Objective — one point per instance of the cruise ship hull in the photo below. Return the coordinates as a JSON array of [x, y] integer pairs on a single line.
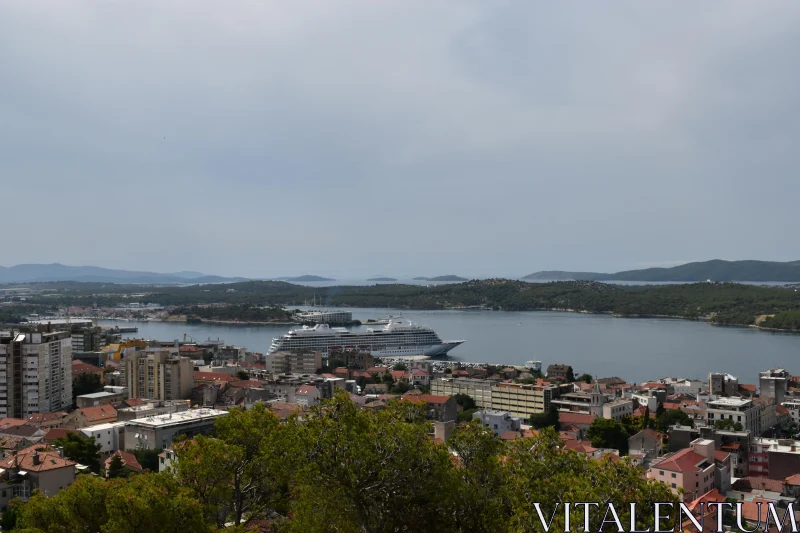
[[398, 339]]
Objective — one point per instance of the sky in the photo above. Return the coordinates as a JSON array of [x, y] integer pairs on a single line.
[[400, 138]]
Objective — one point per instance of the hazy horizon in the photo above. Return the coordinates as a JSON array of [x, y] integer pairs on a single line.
[[354, 139]]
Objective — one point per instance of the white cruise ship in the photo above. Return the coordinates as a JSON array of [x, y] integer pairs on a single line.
[[397, 339]]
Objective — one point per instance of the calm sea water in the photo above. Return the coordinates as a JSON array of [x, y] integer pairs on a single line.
[[634, 349]]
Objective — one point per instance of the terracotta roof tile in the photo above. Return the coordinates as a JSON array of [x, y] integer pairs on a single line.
[[37, 458], [686, 460], [758, 483], [213, 376], [100, 412], [128, 460]]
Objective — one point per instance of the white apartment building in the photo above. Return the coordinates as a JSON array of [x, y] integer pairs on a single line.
[[738, 410], [35, 372], [110, 437]]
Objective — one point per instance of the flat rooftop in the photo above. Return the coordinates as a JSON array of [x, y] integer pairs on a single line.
[[171, 419], [730, 402], [99, 395]]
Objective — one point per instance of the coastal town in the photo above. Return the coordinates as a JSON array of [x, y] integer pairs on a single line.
[[712, 439]]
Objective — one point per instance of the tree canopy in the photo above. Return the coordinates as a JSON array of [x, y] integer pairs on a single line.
[[82, 450], [608, 433], [345, 469]]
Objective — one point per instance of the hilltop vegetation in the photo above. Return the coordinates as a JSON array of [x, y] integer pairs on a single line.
[[721, 303], [714, 270]]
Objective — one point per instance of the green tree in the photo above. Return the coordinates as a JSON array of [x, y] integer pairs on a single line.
[[80, 449], [660, 410], [116, 469], [478, 487], [10, 516], [728, 424], [400, 366], [608, 433], [241, 474], [243, 375], [672, 417], [545, 420], [586, 378], [464, 401], [79, 508], [85, 384], [147, 458], [360, 470], [538, 470], [646, 422], [152, 502]]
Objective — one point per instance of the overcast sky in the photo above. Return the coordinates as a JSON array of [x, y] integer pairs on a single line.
[[350, 138]]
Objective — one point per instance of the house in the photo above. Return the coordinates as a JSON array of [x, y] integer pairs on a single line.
[[579, 420], [47, 420], [687, 469], [37, 467], [420, 378], [308, 396], [91, 416], [166, 459], [54, 434], [563, 372], [376, 388], [498, 421], [439, 408], [648, 442], [128, 461]]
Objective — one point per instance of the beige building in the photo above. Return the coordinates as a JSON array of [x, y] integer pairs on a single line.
[[35, 372], [517, 398], [157, 374], [691, 469], [306, 362]]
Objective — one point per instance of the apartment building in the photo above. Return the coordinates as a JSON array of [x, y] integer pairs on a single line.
[[305, 362], [774, 383], [35, 371], [774, 458], [157, 374], [722, 384], [738, 410], [691, 469], [158, 432], [517, 398]]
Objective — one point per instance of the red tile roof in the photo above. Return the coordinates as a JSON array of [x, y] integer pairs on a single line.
[[11, 422], [566, 417], [47, 417], [128, 460], [79, 368], [758, 483], [686, 460], [37, 458], [305, 390], [721, 456], [793, 480], [747, 387], [190, 349], [98, 413], [217, 377], [781, 410], [579, 446], [510, 435], [58, 433], [427, 398], [709, 497], [399, 374]]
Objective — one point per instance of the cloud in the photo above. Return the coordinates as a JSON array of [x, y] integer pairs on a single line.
[[353, 137]]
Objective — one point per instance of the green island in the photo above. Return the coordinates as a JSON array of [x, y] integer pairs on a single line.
[[732, 304]]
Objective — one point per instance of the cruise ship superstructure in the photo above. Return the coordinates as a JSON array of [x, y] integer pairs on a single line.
[[399, 338]]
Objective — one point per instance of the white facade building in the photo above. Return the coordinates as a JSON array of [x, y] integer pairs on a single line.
[[110, 437], [35, 372]]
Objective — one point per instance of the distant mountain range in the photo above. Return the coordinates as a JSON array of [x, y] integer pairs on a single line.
[[450, 277], [31, 273], [382, 278], [306, 277], [714, 270]]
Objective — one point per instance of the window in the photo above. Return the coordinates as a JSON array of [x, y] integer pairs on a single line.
[[673, 485], [673, 475]]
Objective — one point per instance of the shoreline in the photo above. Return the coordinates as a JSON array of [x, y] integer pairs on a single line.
[[550, 309]]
